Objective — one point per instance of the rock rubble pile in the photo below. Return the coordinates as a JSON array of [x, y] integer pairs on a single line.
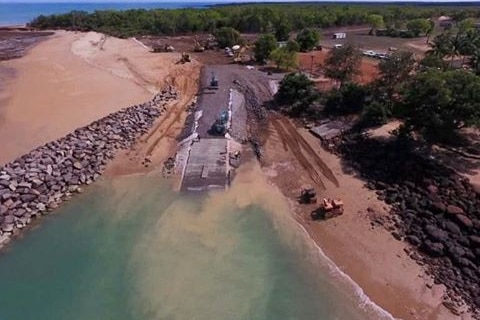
[[39, 181], [433, 209]]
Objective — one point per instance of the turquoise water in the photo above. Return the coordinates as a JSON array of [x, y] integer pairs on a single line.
[[130, 248], [22, 12]]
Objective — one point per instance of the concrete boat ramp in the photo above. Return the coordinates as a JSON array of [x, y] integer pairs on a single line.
[[206, 167], [208, 160], [207, 164]]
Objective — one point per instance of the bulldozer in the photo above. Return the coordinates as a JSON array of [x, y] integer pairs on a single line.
[[198, 47], [329, 208], [165, 48], [184, 59], [308, 196]]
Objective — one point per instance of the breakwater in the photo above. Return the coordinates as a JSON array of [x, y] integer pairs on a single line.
[[433, 208], [37, 182]]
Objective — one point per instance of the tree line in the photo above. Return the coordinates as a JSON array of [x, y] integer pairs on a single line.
[[251, 18], [433, 97]]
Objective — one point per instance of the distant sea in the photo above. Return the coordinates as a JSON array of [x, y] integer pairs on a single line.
[[22, 13]]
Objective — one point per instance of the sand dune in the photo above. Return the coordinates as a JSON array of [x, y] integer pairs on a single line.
[[71, 80]]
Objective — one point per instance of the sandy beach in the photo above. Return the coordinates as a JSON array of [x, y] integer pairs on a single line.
[[366, 252], [72, 79]]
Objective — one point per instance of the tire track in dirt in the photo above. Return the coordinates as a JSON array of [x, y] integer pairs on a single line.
[[178, 110], [326, 171], [186, 90], [294, 146]]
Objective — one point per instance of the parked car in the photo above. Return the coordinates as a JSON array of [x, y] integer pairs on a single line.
[[369, 53], [382, 56], [337, 46]]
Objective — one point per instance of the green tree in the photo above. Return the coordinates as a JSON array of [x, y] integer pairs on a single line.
[[376, 113], [448, 44], [431, 61], [227, 37], [346, 100], [284, 58], [343, 63], [441, 45], [430, 30], [376, 22], [437, 104], [393, 73], [459, 15], [282, 31], [418, 26], [474, 61], [466, 24], [264, 46], [308, 39], [469, 41], [297, 94], [293, 46]]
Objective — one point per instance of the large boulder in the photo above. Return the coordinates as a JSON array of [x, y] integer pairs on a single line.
[[452, 227], [454, 210], [464, 220], [475, 241], [434, 249], [435, 233], [438, 207]]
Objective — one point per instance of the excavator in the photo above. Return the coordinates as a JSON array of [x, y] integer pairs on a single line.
[[238, 53], [198, 47], [219, 127], [184, 59], [214, 82]]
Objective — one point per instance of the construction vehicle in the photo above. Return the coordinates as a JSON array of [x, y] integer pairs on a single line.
[[184, 59], [237, 53], [165, 48], [198, 47], [219, 127], [214, 82], [329, 208], [308, 196]]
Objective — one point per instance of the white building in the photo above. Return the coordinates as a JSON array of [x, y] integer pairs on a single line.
[[339, 35]]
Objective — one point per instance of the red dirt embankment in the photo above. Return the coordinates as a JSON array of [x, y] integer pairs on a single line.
[[368, 68]]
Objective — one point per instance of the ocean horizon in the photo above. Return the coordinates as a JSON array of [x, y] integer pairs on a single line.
[[24, 12]]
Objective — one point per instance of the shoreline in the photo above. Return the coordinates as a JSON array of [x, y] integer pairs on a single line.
[[364, 300], [367, 253], [38, 176], [39, 181]]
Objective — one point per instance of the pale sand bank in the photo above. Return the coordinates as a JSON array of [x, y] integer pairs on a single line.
[[71, 80]]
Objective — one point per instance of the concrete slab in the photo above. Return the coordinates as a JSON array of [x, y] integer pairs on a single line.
[[206, 168]]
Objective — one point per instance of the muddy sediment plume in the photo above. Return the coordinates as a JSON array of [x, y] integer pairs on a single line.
[[39, 181], [433, 208], [130, 248]]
